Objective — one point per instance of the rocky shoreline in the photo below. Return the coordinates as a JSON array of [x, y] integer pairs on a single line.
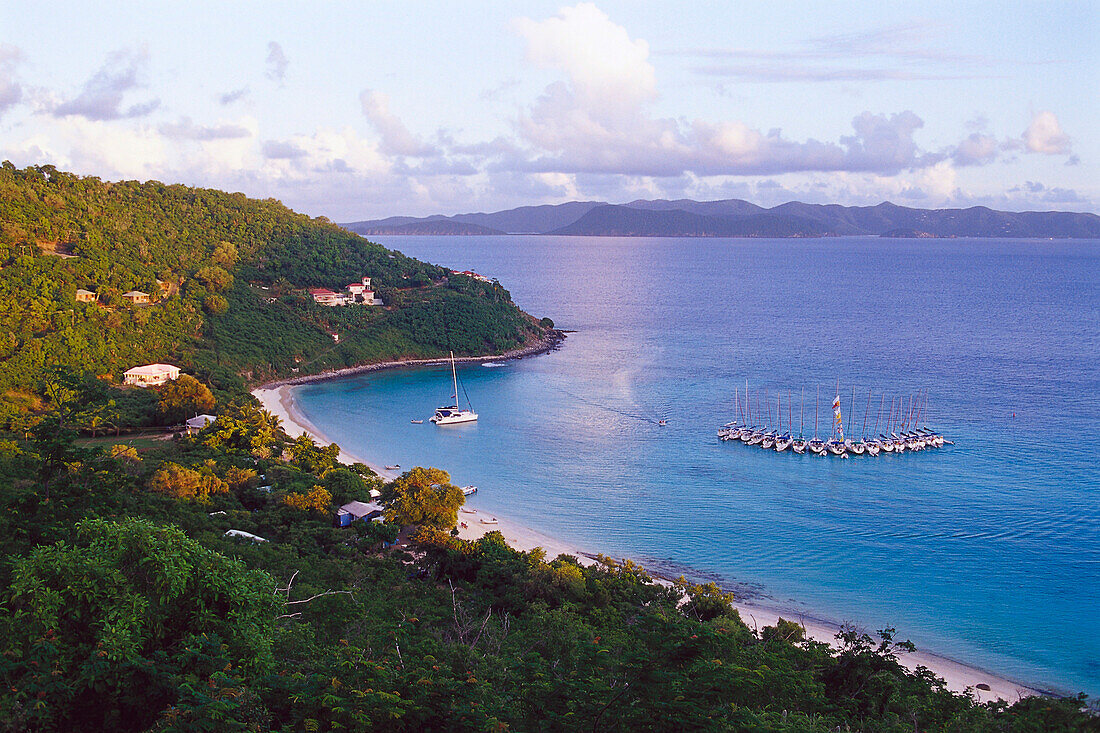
[[553, 339]]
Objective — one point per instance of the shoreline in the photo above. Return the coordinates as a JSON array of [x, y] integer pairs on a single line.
[[551, 341], [278, 399]]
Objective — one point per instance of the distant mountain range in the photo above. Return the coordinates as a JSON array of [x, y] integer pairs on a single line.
[[737, 218]]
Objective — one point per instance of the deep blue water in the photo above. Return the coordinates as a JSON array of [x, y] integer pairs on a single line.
[[988, 551]]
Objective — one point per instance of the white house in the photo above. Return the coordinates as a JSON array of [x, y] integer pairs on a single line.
[[151, 375], [137, 297], [198, 422], [361, 288], [324, 296]]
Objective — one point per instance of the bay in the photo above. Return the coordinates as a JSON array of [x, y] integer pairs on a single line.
[[987, 551]]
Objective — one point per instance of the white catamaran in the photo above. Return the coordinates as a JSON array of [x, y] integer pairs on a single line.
[[452, 414]]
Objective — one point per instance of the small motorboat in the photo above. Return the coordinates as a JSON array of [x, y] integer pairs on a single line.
[[417, 422], [394, 467], [467, 490], [662, 422], [490, 520]]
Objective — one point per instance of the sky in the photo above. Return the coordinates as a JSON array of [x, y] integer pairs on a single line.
[[360, 110]]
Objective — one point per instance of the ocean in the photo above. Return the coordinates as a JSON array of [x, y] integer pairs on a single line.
[[987, 551]]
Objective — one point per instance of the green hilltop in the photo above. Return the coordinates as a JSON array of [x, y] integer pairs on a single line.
[[227, 276]]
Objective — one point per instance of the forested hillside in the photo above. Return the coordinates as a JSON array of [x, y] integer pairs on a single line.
[[227, 277], [130, 601]]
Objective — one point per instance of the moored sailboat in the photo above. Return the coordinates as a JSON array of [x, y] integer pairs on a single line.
[[453, 414]]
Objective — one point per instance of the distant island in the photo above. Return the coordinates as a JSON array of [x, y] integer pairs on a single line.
[[738, 218]]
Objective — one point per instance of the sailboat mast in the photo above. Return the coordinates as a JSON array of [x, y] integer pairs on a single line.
[[815, 413], [454, 377], [851, 411], [881, 404], [802, 414], [866, 411], [790, 407]]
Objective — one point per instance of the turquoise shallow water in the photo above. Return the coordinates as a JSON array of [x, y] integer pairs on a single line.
[[988, 552]]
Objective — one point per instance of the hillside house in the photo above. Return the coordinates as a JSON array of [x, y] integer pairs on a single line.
[[361, 288], [198, 422], [356, 511], [85, 296], [136, 297], [151, 375], [355, 292], [472, 274], [324, 296]]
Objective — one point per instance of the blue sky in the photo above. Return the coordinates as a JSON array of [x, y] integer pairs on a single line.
[[358, 110]]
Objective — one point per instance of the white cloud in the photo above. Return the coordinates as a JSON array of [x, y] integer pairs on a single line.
[[101, 96], [185, 129], [1044, 135], [395, 137], [976, 149], [609, 72]]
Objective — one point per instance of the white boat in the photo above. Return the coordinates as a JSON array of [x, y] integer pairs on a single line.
[[467, 490], [490, 520], [453, 414], [798, 445], [872, 447], [816, 446], [417, 422], [856, 448], [836, 447], [782, 443], [394, 467]]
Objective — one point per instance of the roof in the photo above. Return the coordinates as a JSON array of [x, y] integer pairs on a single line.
[[321, 291], [200, 421], [82, 291], [243, 535], [152, 370], [360, 509], [134, 293]]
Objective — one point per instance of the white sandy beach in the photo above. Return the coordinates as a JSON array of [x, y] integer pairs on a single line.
[[279, 401]]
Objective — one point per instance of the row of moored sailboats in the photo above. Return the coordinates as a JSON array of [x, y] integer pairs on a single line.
[[905, 426]]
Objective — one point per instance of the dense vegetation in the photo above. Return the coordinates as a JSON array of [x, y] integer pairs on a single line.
[[199, 583], [227, 275], [124, 605]]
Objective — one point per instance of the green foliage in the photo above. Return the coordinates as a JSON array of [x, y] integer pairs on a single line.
[[222, 257], [119, 615], [184, 397], [423, 496]]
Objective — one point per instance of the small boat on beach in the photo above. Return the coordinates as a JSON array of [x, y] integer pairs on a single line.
[[490, 520]]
